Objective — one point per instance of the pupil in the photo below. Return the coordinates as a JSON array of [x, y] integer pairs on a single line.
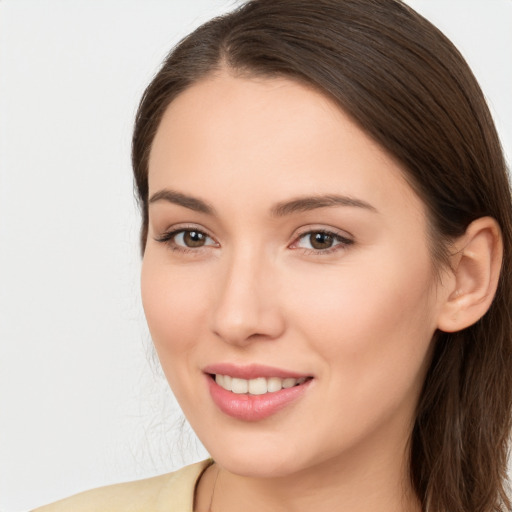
[[321, 241], [193, 239]]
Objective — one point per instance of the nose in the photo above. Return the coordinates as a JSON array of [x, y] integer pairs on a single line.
[[246, 301]]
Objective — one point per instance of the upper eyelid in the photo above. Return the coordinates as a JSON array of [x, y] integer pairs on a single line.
[[332, 234], [168, 234], [344, 238], [322, 229], [177, 228]]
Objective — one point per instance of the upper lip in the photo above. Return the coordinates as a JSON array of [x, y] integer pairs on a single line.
[[251, 371]]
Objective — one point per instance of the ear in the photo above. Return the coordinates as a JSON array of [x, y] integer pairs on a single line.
[[475, 271]]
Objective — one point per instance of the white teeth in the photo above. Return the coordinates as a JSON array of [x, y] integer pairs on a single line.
[[274, 384], [239, 386], [258, 386], [289, 383]]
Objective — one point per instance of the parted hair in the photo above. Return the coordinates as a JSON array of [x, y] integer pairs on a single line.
[[406, 85]]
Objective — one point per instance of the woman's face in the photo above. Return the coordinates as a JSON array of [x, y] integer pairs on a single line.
[[285, 248]]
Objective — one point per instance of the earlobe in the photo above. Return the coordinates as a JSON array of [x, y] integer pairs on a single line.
[[476, 265]]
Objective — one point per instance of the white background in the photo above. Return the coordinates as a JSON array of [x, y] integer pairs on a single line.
[[82, 402]]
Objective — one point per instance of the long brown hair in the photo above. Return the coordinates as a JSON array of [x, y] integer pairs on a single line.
[[408, 87]]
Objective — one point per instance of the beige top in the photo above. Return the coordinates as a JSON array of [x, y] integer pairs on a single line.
[[173, 492]]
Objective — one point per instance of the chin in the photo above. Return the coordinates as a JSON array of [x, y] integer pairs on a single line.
[[258, 457], [261, 467]]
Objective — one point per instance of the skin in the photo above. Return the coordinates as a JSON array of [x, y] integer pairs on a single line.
[[357, 317]]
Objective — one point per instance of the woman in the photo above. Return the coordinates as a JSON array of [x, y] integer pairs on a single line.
[[326, 268]]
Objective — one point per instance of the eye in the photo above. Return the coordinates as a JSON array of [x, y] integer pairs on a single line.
[[192, 239], [184, 239], [321, 241]]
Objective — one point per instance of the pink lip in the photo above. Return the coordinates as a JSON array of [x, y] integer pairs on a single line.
[[252, 407], [252, 371]]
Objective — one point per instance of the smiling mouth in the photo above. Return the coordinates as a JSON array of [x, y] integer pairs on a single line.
[[257, 386]]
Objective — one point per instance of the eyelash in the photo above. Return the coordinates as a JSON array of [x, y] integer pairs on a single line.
[[168, 238], [343, 242]]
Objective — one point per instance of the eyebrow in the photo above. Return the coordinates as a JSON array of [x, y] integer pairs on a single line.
[[190, 202], [304, 204], [281, 209]]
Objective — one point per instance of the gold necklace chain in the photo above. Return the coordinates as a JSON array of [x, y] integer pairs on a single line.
[[213, 490]]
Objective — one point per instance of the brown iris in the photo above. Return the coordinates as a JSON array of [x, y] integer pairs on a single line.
[[321, 240], [194, 238]]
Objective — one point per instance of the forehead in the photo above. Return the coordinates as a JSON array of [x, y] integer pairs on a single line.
[[241, 134]]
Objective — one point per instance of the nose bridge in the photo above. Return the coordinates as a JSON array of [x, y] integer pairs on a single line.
[[246, 305]]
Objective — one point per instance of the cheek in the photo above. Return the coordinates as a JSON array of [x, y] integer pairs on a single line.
[[365, 304], [174, 305], [372, 325]]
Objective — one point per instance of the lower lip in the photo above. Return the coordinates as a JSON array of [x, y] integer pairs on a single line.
[[254, 407]]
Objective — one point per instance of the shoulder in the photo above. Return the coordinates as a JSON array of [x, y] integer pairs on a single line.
[[172, 492]]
